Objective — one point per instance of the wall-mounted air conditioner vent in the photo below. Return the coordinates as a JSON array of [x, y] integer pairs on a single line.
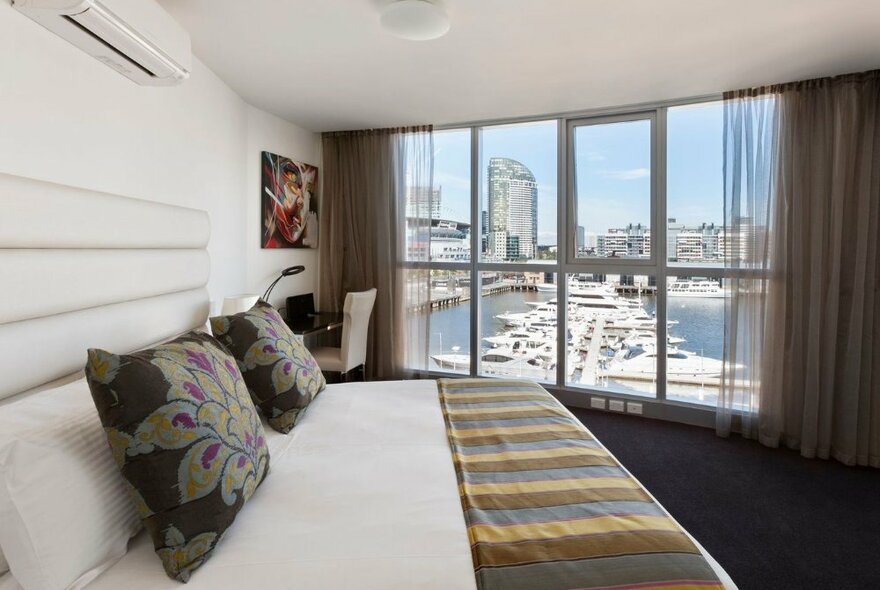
[[137, 38]]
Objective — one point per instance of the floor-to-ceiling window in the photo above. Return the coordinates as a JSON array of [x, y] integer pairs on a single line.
[[582, 252], [696, 247]]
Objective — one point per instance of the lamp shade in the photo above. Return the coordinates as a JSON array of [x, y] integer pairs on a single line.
[[238, 303]]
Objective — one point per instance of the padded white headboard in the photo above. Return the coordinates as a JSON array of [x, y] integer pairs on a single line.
[[81, 269]]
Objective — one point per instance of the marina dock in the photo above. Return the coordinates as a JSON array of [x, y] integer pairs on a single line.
[[443, 300], [611, 334], [592, 360]]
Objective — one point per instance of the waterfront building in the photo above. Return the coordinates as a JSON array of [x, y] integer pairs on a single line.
[[693, 243], [450, 241], [632, 241], [688, 246], [484, 231], [513, 211], [423, 201], [703, 242], [673, 228], [733, 246]]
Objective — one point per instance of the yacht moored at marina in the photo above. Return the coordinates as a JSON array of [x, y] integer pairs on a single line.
[[502, 362], [639, 362], [696, 288]]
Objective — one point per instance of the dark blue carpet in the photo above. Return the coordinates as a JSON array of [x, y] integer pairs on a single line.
[[771, 518]]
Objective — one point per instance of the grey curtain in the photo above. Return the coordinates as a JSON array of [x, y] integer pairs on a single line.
[[364, 237], [810, 290]]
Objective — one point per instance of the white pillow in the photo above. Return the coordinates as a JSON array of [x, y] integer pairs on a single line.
[[64, 508], [4, 567]]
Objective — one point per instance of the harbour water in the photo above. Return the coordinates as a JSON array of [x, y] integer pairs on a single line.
[[699, 321]]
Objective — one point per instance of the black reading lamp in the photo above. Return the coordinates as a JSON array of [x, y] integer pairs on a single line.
[[287, 272]]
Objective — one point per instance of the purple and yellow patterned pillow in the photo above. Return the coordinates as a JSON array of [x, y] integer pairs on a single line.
[[187, 439], [279, 370]]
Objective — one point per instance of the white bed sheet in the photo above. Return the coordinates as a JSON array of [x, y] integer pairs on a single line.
[[362, 493]]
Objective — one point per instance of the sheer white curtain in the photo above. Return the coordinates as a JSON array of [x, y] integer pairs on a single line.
[[415, 194], [802, 192], [750, 144]]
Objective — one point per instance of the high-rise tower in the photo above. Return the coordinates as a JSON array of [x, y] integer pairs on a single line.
[[513, 210]]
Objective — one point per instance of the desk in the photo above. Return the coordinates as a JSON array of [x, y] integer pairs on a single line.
[[316, 323]]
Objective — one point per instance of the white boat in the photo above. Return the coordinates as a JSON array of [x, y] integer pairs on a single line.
[[521, 340], [640, 363], [543, 316], [503, 363], [454, 361], [599, 299], [527, 345], [696, 288], [648, 338], [575, 284]]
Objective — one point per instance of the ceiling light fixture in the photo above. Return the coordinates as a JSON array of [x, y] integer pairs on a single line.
[[415, 20]]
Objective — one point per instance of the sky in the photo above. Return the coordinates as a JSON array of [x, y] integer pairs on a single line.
[[612, 169]]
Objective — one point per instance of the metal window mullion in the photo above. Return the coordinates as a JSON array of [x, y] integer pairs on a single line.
[[517, 267], [436, 266], [563, 243], [660, 223], [476, 251]]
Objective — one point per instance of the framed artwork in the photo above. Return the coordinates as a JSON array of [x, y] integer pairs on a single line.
[[290, 203]]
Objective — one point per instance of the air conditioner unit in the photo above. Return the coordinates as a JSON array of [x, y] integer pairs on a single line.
[[137, 38]]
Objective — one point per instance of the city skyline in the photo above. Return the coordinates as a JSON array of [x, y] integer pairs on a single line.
[[450, 240], [694, 171]]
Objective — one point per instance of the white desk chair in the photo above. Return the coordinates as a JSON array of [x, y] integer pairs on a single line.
[[355, 325]]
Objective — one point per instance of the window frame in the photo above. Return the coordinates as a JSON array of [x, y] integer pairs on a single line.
[[657, 266], [571, 183]]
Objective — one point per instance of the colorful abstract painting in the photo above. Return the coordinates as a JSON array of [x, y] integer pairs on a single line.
[[290, 204]]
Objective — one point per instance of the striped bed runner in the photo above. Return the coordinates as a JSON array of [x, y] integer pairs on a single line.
[[547, 507]]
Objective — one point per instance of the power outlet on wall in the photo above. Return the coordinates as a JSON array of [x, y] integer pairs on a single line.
[[634, 407], [616, 405], [597, 402]]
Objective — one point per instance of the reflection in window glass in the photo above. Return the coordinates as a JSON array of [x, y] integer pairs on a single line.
[[518, 192], [695, 199], [612, 176], [612, 339], [448, 202], [695, 308], [518, 325]]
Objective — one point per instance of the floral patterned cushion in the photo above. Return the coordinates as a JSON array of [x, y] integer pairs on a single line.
[[187, 439], [279, 370]]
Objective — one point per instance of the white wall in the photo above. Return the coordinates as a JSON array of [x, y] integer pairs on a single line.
[[269, 133], [67, 118]]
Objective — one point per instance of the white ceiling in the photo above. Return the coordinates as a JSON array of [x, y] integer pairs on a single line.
[[327, 65]]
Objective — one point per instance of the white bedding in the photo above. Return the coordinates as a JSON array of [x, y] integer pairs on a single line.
[[361, 494]]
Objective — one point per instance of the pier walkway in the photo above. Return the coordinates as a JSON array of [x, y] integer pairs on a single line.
[[588, 373]]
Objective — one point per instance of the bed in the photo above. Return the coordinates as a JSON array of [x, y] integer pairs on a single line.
[[366, 491]]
